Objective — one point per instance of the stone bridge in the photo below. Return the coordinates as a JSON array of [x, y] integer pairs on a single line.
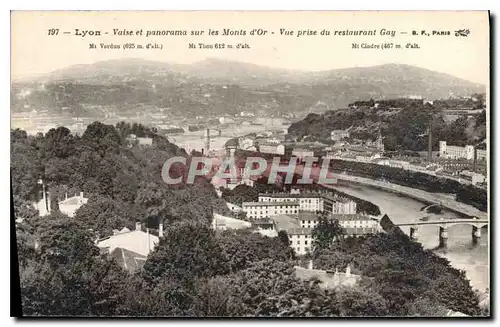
[[476, 224]]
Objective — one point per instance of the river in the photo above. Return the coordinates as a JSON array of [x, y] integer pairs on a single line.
[[460, 251]]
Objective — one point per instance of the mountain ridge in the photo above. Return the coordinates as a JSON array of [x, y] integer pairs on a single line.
[[233, 87], [202, 66]]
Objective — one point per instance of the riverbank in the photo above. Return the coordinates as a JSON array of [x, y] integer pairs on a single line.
[[420, 195], [461, 253]]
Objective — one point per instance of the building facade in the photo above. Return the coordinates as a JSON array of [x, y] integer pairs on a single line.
[[338, 205], [260, 210], [358, 224], [455, 152], [300, 239], [307, 201]]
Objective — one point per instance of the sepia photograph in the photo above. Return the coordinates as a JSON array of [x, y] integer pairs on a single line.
[[244, 164]]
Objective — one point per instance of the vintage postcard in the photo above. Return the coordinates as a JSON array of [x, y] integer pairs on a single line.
[[250, 164]]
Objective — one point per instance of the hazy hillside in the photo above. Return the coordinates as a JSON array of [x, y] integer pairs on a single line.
[[233, 87]]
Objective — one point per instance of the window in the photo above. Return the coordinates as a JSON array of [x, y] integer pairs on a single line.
[[305, 242]]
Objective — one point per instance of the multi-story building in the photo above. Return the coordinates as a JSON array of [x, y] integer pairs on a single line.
[[357, 224], [260, 210], [338, 205], [338, 134], [313, 202], [307, 201], [456, 152], [299, 227], [354, 224], [300, 239]]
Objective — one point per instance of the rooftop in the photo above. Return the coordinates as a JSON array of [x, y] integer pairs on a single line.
[[285, 222], [269, 204], [289, 195], [136, 241]]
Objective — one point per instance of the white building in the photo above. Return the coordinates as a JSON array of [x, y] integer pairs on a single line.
[[147, 141], [242, 181], [471, 177], [338, 205], [355, 224], [338, 134], [455, 152], [260, 210], [69, 205], [233, 207], [358, 224], [137, 241], [272, 148], [301, 240], [307, 201]]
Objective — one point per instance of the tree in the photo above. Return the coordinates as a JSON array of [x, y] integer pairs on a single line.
[[269, 288], [187, 251], [67, 276], [327, 231], [283, 237], [103, 214], [242, 248], [360, 302]]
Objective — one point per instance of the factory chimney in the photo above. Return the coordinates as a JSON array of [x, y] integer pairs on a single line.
[[430, 140]]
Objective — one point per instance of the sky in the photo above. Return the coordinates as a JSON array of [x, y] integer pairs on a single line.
[[34, 52]]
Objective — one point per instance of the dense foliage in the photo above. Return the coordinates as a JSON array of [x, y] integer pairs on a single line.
[[194, 270], [402, 273], [404, 124]]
